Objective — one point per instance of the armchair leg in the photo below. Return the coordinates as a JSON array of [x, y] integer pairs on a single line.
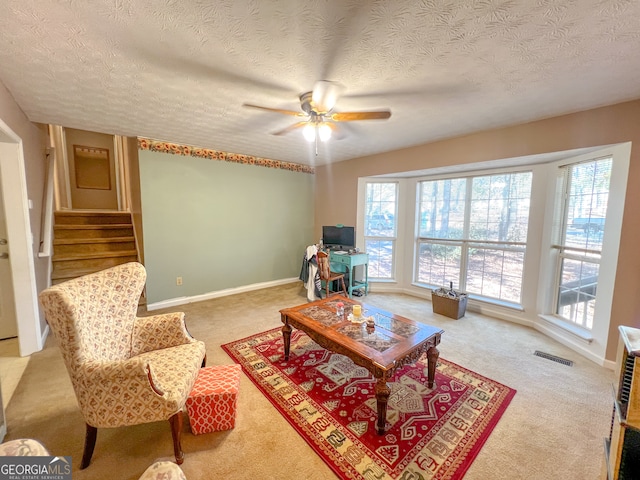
[[89, 445], [176, 430]]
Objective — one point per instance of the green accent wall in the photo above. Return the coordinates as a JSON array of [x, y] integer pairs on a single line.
[[221, 225]]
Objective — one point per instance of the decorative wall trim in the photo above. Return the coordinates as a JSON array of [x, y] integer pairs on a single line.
[[186, 150]]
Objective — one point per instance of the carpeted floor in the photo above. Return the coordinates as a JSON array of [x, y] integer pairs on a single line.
[[553, 428]]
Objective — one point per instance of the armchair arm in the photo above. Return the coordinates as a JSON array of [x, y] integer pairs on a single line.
[[118, 393], [159, 331]]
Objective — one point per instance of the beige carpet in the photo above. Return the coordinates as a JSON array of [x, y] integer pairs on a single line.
[[554, 427]]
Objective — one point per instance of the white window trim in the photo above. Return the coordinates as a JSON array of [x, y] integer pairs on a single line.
[[393, 240], [405, 210], [591, 344]]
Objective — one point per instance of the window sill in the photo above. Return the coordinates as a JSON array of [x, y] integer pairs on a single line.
[[581, 333], [497, 303]]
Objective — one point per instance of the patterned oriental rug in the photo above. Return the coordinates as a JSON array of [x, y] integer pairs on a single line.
[[330, 401]]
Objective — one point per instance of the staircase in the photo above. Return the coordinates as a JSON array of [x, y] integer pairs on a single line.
[[86, 242]]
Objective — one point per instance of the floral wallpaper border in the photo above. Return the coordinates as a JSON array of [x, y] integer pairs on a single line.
[[186, 150]]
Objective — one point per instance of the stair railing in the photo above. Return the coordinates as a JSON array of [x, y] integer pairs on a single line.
[[46, 227]]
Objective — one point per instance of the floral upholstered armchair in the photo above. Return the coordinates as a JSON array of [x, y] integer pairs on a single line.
[[125, 370]]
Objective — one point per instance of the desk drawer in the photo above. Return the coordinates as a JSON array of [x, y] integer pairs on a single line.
[[340, 259]]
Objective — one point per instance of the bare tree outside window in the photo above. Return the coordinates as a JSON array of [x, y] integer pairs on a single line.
[[472, 232]]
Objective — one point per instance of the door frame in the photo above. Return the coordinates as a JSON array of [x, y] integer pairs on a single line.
[[20, 237]]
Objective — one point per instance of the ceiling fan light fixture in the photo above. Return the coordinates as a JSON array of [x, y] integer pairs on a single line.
[[309, 132], [324, 132]]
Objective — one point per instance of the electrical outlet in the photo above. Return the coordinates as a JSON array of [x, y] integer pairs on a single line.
[[178, 280]]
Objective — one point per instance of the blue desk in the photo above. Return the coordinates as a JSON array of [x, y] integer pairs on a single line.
[[346, 263]]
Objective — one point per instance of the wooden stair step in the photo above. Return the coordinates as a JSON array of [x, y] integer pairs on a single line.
[[86, 246], [92, 231], [79, 272], [75, 273], [101, 226], [94, 255], [76, 241], [74, 268], [91, 218]]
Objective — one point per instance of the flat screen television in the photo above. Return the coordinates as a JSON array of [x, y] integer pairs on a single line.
[[338, 237]]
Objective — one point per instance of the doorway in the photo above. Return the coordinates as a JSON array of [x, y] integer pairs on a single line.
[[19, 278], [8, 322]]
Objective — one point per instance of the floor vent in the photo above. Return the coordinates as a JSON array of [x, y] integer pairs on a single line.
[[553, 358]]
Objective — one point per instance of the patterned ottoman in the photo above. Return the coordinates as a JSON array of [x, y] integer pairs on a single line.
[[212, 402]]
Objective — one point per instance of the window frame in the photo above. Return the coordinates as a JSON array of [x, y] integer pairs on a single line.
[[591, 342], [466, 243], [560, 250], [377, 238]]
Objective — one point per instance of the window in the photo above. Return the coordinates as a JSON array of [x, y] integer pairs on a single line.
[[582, 210], [472, 232], [380, 228], [441, 229]]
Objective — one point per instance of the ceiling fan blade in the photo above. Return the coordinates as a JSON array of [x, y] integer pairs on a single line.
[[352, 116], [290, 128], [325, 95], [277, 110]]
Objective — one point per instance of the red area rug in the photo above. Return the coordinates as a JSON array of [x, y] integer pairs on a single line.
[[431, 433]]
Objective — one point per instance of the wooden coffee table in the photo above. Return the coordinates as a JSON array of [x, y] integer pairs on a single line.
[[393, 342]]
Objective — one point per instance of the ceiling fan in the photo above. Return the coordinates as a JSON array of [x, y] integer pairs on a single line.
[[319, 119]]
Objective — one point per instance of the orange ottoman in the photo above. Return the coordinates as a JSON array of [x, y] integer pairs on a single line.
[[212, 402]]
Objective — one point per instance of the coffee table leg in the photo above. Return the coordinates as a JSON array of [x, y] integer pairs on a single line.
[[382, 397], [286, 336], [432, 359]]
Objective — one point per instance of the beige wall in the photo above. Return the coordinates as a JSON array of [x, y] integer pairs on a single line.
[[336, 185], [34, 142]]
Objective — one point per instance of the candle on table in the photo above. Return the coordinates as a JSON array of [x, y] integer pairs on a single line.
[[357, 310]]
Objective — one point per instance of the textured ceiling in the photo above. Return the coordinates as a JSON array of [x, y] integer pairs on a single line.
[[180, 70]]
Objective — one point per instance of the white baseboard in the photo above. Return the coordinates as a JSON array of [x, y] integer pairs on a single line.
[[173, 302], [43, 337]]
